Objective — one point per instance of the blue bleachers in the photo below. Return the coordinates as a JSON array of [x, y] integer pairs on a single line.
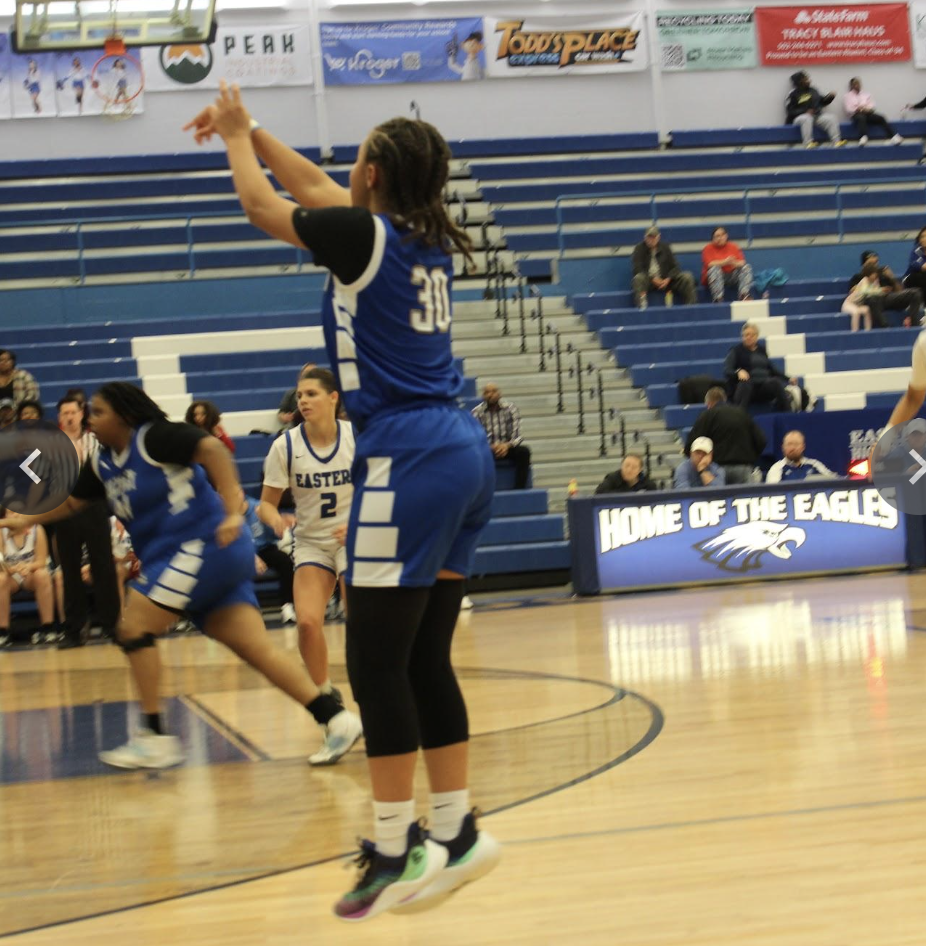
[[775, 134]]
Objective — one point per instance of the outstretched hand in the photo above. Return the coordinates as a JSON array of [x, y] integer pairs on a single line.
[[226, 117]]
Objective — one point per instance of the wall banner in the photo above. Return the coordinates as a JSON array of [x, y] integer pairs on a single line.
[[403, 51], [554, 46], [254, 57], [698, 40], [820, 35]]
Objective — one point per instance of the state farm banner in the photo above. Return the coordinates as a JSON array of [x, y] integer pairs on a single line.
[[551, 46], [918, 15], [819, 35], [252, 56]]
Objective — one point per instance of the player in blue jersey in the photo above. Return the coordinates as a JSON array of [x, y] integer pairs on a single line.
[[33, 84], [176, 490], [423, 475]]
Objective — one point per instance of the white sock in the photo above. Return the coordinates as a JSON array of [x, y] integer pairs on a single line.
[[325, 687], [392, 822], [448, 809]]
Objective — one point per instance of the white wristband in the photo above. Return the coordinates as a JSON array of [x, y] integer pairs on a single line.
[[255, 124]]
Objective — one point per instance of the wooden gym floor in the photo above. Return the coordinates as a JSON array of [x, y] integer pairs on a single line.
[[717, 766]]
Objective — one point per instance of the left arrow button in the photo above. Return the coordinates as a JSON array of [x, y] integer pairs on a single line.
[[24, 466]]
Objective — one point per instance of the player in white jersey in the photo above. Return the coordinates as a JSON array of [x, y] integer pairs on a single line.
[[25, 568], [314, 461]]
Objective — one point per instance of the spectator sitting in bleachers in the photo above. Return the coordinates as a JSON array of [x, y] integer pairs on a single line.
[[501, 421], [7, 413], [737, 439], [206, 416], [751, 376], [893, 295], [856, 304], [654, 267], [30, 410], [915, 276], [794, 465], [699, 468], [860, 108], [124, 559], [723, 264], [25, 568], [630, 478], [804, 108], [16, 384]]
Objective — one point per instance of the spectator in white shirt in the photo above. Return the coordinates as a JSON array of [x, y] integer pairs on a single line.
[[860, 108], [794, 465]]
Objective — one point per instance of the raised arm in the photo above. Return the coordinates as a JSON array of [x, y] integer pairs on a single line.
[[308, 184]]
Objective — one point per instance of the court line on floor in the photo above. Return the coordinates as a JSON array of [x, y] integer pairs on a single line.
[[225, 729], [726, 819], [657, 722]]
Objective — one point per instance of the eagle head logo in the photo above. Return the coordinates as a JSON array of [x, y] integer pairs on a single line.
[[740, 548]]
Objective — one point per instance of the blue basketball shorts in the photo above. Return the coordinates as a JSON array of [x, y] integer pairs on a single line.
[[199, 578], [424, 479]]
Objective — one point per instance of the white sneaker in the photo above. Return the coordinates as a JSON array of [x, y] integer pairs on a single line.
[[897, 140], [466, 604], [145, 750], [471, 855], [287, 614], [341, 733], [863, 141]]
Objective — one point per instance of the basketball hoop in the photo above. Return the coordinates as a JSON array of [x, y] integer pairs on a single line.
[[117, 77]]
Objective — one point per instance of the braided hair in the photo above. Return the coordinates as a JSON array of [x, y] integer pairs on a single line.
[[130, 403], [415, 161]]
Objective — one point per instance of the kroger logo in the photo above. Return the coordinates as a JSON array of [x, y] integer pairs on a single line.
[[362, 61]]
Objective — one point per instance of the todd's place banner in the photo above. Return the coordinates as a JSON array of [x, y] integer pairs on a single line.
[[644, 540], [252, 56], [402, 51], [549, 46]]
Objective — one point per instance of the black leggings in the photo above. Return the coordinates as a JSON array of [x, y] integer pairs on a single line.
[[282, 565], [398, 663]]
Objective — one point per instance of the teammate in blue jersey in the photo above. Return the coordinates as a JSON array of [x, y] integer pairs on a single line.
[[423, 475], [176, 490]]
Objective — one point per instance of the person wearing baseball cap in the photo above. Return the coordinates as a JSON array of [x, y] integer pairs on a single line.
[[699, 469], [654, 267], [7, 412]]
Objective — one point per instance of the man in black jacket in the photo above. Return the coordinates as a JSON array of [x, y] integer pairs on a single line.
[[751, 376], [738, 439], [893, 295], [628, 479], [654, 267], [804, 108]]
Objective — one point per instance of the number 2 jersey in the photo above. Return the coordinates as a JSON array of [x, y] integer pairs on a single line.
[[320, 481], [163, 499], [386, 312]]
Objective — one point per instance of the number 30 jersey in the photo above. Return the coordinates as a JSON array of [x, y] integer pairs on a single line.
[[388, 333], [320, 481]]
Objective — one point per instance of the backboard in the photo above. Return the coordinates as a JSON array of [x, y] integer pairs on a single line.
[[87, 24]]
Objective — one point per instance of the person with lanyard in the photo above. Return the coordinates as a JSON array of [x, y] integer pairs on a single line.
[[89, 528], [794, 465], [423, 476]]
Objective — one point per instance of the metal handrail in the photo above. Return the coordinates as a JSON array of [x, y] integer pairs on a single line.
[[748, 193], [521, 283]]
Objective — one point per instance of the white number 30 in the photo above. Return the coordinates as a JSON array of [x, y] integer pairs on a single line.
[[434, 299]]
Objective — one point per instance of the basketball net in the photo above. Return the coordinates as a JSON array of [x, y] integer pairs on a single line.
[[115, 109]]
